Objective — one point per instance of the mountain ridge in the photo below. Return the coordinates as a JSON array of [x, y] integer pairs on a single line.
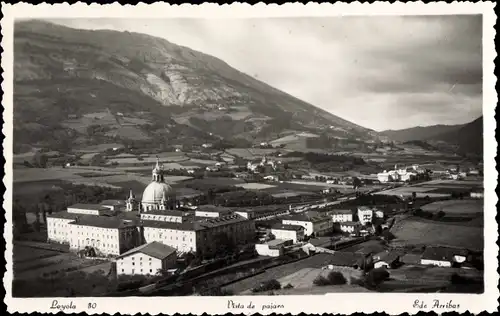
[[56, 66]]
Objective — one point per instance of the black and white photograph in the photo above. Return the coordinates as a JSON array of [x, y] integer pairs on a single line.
[[248, 157]]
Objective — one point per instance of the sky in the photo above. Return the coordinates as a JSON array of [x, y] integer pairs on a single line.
[[381, 72]]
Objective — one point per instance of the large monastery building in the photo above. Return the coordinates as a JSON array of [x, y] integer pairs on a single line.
[[114, 227]]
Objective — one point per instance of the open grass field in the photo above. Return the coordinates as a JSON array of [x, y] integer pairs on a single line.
[[304, 278], [27, 254], [313, 262], [418, 231], [456, 206], [99, 148]]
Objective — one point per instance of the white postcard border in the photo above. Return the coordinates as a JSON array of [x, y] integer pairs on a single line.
[[343, 303]]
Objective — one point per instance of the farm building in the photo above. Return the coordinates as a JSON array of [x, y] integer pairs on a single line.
[[148, 259], [285, 232], [443, 256], [387, 259]]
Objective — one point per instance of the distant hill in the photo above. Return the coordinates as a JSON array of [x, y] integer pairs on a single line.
[[419, 132], [469, 137], [84, 87]]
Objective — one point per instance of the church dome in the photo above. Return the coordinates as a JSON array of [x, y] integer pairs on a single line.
[[155, 192]]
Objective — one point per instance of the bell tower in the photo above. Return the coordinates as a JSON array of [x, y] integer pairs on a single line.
[[158, 172]]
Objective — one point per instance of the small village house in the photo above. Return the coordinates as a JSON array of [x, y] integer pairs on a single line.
[[365, 215], [288, 232], [148, 259]]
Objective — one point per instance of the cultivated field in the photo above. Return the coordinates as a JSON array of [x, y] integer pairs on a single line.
[[418, 231], [456, 206]]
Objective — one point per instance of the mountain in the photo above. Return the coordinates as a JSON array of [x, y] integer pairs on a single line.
[[84, 87], [469, 137], [419, 132]]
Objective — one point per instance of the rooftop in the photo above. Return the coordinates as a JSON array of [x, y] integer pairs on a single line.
[[93, 207], [277, 242], [167, 213], [63, 215], [364, 208], [153, 249], [340, 212], [195, 224], [304, 218], [287, 227], [442, 253], [344, 259], [102, 221], [351, 223], [113, 202]]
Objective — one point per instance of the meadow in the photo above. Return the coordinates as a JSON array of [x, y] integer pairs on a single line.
[[417, 231]]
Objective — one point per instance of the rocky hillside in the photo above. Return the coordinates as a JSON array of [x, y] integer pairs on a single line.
[[87, 87]]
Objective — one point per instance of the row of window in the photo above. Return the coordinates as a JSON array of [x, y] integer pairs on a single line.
[[133, 270]]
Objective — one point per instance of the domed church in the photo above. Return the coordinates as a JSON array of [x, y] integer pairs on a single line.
[[158, 195]]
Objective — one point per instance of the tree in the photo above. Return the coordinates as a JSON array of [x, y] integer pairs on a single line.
[[414, 196], [336, 278], [376, 276], [40, 160]]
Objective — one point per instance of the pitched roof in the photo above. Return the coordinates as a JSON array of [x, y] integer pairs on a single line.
[[63, 215], [94, 207], [113, 202], [102, 221], [389, 256], [341, 212], [287, 227], [195, 224], [153, 249], [442, 253], [344, 259]]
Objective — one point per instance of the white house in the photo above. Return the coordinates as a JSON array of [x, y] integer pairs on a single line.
[[317, 225], [340, 216], [365, 215], [288, 232], [147, 259]]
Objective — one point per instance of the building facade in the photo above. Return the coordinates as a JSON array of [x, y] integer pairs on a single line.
[[148, 259], [365, 215], [340, 216], [288, 232]]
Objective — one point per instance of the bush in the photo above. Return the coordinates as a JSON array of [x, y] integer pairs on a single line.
[[336, 278], [333, 278], [376, 277], [270, 285], [321, 281]]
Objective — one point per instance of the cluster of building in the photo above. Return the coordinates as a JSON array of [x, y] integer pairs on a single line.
[[114, 228], [400, 174]]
